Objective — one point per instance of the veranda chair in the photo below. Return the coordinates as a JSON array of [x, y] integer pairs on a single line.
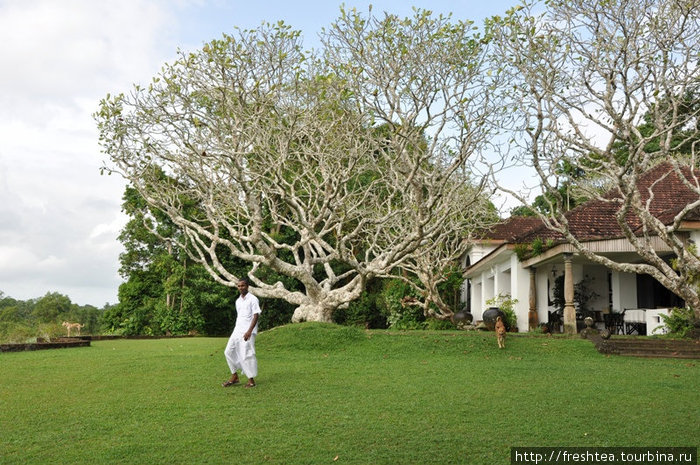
[[615, 322]]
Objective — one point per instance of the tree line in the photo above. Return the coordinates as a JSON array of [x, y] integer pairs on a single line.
[[21, 320]]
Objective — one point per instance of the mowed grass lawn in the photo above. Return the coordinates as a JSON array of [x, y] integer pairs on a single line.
[[330, 394]]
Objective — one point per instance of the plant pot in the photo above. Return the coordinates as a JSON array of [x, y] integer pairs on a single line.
[[490, 316]]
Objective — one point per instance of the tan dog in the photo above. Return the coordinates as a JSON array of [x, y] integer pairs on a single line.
[[500, 333], [69, 326]]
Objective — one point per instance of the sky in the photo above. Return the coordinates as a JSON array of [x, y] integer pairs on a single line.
[[59, 218]]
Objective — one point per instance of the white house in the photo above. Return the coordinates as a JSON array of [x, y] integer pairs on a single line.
[[493, 267]]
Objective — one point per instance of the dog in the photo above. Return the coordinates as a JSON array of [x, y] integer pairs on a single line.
[[500, 333], [70, 326]]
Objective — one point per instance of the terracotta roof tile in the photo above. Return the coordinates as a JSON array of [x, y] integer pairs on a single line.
[[512, 228], [596, 219]]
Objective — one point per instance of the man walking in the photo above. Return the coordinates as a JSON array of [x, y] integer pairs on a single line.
[[240, 350]]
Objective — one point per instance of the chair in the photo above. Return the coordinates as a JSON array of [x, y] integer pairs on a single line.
[[636, 322], [615, 322], [637, 327], [554, 321]]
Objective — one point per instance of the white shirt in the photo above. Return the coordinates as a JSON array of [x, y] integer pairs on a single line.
[[246, 307]]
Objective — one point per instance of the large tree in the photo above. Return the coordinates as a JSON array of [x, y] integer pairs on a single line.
[[328, 167], [587, 78], [157, 295], [165, 291]]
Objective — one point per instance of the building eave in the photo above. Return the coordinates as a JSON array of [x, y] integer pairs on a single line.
[[487, 260], [689, 226], [601, 247]]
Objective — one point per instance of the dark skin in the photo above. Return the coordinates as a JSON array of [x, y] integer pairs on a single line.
[[243, 289]]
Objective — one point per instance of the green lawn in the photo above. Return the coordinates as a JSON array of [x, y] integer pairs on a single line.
[[326, 391]]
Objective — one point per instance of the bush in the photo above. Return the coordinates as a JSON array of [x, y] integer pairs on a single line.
[[11, 332], [363, 312], [50, 330], [680, 321], [275, 312], [401, 316], [439, 325], [507, 305], [182, 317]]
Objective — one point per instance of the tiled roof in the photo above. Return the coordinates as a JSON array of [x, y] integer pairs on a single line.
[[512, 228], [596, 219]]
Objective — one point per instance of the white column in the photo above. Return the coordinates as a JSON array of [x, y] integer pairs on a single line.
[[569, 309]]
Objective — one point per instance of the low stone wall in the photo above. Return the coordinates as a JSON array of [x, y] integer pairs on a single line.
[[76, 341], [41, 344], [642, 346]]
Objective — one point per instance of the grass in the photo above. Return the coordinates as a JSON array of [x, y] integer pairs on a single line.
[[327, 391]]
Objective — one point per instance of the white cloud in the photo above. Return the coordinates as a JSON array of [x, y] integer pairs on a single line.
[[57, 50], [59, 218]]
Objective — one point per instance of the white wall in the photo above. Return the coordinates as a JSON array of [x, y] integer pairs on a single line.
[[544, 273], [499, 279], [477, 252], [599, 284], [477, 298], [624, 290], [695, 237], [504, 280], [520, 290], [489, 288]]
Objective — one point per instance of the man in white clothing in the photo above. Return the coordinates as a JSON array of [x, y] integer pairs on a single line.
[[240, 350]]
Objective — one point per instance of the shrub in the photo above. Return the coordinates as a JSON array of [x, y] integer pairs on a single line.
[[507, 305], [11, 332], [49, 330], [440, 325], [680, 321], [275, 312], [364, 312], [401, 316]]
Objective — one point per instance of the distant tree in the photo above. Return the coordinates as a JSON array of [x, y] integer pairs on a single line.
[[570, 190], [49, 308], [279, 148], [163, 291], [21, 320], [87, 315], [13, 310]]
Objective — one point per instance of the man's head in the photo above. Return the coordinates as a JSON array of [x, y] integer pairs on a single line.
[[243, 286]]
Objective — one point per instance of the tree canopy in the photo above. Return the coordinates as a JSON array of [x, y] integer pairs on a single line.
[[609, 88], [328, 168]]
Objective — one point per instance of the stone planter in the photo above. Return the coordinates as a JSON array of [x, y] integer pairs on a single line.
[[462, 319]]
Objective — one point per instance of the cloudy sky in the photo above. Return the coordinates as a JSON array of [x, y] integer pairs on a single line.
[[59, 219]]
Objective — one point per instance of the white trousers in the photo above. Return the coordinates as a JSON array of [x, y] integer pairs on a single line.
[[240, 355]]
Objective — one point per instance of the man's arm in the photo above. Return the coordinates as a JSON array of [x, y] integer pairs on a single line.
[[248, 333]]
